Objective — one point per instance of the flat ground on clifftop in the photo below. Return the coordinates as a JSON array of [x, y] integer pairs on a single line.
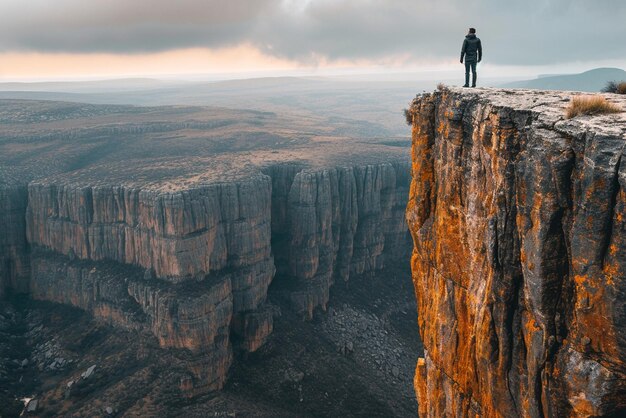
[[550, 107]]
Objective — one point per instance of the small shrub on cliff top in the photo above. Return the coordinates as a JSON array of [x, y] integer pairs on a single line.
[[590, 105], [615, 87], [408, 116]]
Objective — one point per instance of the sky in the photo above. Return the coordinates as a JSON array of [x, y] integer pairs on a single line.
[[64, 39]]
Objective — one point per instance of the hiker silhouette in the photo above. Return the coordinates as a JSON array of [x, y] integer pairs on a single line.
[[472, 51]]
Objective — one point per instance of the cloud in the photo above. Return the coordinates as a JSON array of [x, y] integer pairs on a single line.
[[311, 31], [240, 59]]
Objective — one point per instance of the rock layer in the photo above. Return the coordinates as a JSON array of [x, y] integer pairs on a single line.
[[518, 217]]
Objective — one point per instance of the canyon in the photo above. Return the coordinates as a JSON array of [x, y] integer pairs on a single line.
[[172, 223], [193, 260], [518, 217]]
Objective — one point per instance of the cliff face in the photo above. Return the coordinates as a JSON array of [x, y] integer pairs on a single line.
[[193, 267], [14, 263], [181, 235], [332, 223], [518, 220], [196, 318]]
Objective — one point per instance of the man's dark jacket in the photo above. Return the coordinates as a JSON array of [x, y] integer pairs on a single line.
[[472, 49]]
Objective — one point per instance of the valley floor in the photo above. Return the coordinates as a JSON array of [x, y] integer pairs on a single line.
[[356, 359]]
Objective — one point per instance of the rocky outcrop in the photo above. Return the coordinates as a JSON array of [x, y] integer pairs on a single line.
[[518, 218]]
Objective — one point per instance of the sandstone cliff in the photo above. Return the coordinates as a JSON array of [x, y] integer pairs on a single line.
[[518, 219]]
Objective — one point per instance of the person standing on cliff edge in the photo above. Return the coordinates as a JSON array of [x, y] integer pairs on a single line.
[[472, 50]]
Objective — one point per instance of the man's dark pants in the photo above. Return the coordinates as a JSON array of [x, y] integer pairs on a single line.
[[468, 65]]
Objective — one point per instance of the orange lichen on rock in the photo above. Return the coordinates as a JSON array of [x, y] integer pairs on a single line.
[[519, 256]]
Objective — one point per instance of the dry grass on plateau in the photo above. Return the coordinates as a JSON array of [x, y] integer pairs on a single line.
[[617, 87], [590, 105]]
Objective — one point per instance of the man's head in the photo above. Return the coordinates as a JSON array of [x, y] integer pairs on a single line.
[[472, 30]]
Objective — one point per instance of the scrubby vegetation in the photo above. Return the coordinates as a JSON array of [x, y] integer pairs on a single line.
[[590, 105], [617, 87], [408, 116]]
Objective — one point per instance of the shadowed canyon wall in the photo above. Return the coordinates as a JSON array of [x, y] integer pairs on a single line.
[[331, 223], [519, 263], [194, 267], [14, 264]]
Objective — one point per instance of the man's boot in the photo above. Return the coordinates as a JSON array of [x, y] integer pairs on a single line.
[[466, 80], [473, 80]]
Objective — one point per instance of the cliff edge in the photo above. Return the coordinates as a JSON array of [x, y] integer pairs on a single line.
[[518, 218]]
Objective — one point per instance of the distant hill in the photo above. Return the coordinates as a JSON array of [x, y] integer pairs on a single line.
[[87, 86], [368, 107], [592, 80]]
